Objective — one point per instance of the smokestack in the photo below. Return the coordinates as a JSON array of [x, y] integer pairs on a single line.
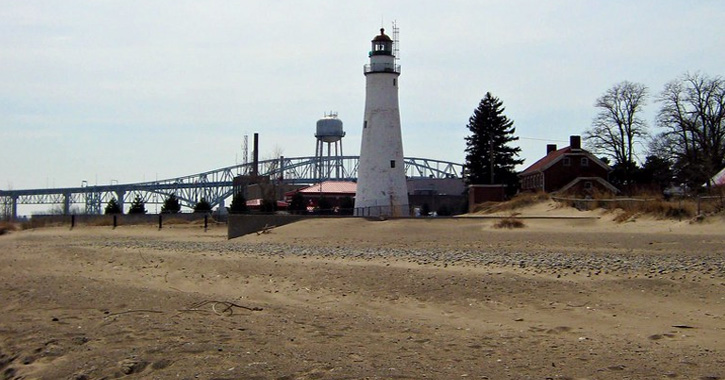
[[255, 156], [575, 142], [550, 148]]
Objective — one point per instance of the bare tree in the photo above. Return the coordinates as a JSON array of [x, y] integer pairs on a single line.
[[692, 113], [617, 127]]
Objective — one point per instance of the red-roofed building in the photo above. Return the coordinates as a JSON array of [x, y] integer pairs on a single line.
[[567, 170], [335, 192]]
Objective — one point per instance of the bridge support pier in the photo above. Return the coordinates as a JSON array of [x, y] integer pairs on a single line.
[[66, 203], [119, 197], [14, 206]]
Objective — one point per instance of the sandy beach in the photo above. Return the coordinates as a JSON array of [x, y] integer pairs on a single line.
[[577, 298]]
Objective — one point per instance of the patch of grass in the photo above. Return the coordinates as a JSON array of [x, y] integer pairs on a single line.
[[37, 223], [173, 220], [100, 222], [519, 201], [656, 208], [510, 223], [6, 227], [643, 204]]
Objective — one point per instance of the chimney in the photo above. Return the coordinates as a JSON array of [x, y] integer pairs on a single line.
[[550, 148], [255, 156], [575, 142]]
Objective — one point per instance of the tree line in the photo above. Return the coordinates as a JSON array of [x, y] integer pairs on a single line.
[[686, 145], [171, 206]]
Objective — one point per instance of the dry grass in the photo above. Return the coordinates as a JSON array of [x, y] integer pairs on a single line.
[[519, 201], [172, 220], [101, 222], [38, 223], [510, 223], [656, 208], [6, 227]]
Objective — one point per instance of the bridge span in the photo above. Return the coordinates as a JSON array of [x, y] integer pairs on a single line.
[[214, 186]]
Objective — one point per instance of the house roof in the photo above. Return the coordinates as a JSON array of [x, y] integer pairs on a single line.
[[553, 157], [329, 187], [718, 179], [546, 161]]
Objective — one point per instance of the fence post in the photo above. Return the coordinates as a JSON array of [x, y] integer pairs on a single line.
[[72, 221], [206, 219], [699, 198], [160, 223], [115, 221]]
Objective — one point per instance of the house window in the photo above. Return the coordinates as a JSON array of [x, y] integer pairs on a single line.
[[567, 161], [392, 164], [588, 185], [584, 161]]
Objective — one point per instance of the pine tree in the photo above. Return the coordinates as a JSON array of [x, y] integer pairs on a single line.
[[239, 205], [489, 157], [202, 206], [138, 206], [297, 204], [113, 207], [171, 205]]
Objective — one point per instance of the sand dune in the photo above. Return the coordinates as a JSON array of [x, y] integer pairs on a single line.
[[354, 299]]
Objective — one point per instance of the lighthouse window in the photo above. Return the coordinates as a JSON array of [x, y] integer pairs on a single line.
[[395, 82], [365, 124], [392, 164]]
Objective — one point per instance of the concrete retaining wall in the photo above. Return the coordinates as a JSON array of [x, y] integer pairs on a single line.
[[240, 225]]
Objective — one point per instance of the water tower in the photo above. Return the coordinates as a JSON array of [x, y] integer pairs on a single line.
[[329, 131]]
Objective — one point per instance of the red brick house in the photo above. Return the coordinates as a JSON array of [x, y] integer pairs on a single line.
[[570, 170]]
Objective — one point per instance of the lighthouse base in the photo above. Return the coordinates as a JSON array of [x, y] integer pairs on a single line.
[[395, 211]]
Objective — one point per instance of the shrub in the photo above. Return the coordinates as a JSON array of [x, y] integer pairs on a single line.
[[510, 223], [6, 227]]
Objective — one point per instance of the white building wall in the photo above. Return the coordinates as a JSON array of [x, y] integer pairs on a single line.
[[381, 188]]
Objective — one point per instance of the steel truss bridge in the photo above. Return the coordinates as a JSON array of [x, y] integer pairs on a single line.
[[213, 186]]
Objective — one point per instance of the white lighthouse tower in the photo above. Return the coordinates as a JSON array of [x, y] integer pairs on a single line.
[[381, 186]]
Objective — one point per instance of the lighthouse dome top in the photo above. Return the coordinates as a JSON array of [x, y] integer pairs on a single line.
[[382, 36], [382, 45]]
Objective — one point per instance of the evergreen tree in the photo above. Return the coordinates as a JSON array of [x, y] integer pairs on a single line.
[[113, 207], [268, 205], [239, 205], [297, 204], [138, 206], [202, 206], [657, 171], [324, 206], [171, 205], [489, 157], [347, 206]]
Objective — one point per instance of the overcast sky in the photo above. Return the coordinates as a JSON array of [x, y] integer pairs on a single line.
[[140, 90]]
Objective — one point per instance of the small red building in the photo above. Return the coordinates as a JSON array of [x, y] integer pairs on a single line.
[[570, 170], [336, 192]]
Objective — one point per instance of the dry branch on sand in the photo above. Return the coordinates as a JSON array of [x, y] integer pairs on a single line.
[[220, 307]]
